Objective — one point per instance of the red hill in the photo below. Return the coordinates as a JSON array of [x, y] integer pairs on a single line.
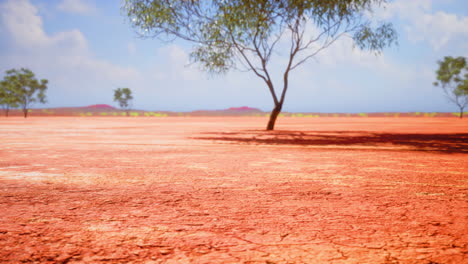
[[100, 106]]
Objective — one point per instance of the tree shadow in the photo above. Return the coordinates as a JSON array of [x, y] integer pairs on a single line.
[[446, 143]]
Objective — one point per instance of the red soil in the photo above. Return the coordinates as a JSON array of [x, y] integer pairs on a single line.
[[221, 190]]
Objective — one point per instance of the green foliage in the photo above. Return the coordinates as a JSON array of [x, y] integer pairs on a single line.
[[452, 76], [8, 98], [48, 111], [363, 115], [20, 88], [103, 113], [134, 114], [245, 34], [430, 114], [124, 97]]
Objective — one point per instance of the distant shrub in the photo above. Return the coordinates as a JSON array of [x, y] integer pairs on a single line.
[[430, 114], [134, 114], [362, 114], [396, 115], [103, 113], [417, 113], [47, 111]]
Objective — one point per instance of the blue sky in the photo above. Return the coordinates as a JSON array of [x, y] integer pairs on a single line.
[[86, 48]]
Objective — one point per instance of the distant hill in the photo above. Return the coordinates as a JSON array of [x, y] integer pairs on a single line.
[[100, 106], [108, 110]]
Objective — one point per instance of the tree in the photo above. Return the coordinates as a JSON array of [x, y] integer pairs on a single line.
[[452, 75], [245, 34], [124, 97], [8, 99], [25, 88]]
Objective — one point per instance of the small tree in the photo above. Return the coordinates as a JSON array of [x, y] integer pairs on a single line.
[[246, 34], [24, 89], [452, 75], [124, 97], [8, 99]]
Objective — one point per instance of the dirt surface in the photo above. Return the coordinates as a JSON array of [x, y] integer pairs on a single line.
[[222, 190]]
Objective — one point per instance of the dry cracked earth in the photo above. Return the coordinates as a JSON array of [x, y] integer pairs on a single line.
[[222, 190]]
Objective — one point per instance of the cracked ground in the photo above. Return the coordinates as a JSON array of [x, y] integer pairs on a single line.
[[222, 190]]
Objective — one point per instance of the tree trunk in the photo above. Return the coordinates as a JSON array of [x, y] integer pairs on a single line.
[[274, 114], [6, 111], [25, 111], [461, 113]]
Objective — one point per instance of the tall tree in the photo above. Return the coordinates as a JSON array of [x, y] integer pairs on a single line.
[[245, 34], [452, 75], [8, 99], [124, 97], [25, 88]]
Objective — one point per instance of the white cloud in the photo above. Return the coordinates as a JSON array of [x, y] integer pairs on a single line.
[[25, 29], [63, 58], [439, 29], [176, 64], [82, 7]]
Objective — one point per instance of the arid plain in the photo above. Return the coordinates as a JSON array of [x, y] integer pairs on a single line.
[[224, 190]]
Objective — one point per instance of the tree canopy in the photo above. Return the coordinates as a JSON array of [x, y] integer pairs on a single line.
[[452, 76], [8, 99], [21, 88], [124, 97], [245, 34]]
